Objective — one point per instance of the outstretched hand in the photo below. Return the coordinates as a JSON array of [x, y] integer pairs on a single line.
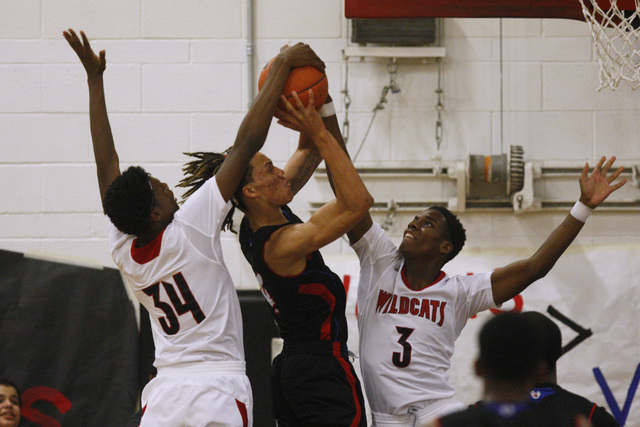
[[300, 118], [93, 64], [300, 55], [596, 188]]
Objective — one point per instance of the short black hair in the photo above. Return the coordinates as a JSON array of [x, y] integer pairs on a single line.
[[129, 200], [509, 348], [5, 382], [457, 235], [550, 335], [205, 166]]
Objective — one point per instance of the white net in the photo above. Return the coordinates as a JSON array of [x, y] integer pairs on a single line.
[[616, 35]]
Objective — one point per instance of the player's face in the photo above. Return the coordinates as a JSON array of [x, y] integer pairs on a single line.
[[164, 199], [9, 406], [425, 235], [269, 181]]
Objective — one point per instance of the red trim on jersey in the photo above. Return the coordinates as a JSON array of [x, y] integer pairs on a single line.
[[352, 382], [406, 282], [592, 411], [322, 292], [336, 349], [243, 412], [148, 252]]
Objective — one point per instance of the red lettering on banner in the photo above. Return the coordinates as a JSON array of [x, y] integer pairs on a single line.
[[47, 394], [518, 304]]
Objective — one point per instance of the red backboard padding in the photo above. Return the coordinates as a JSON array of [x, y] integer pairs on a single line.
[[570, 9]]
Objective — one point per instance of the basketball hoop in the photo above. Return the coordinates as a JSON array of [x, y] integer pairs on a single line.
[[616, 34]]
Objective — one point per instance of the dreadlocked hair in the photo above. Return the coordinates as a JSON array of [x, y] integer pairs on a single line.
[[129, 200], [206, 165], [457, 234]]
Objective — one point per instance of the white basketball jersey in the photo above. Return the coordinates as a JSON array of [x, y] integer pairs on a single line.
[[407, 337], [181, 279]]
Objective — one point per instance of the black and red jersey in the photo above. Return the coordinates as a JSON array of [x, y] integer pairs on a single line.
[[309, 306]]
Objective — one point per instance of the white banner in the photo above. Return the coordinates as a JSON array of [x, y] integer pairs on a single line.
[[591, 288]]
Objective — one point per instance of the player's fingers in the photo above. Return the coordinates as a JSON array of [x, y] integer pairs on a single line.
[[288, 125], [287, 104], [312, 102], [585, 172], [71, 38], [296, 98], [318, 63], [615, 174], [72, 34], [284, 116], [599, 165], [618, 185], [608, 165], [85, 42]]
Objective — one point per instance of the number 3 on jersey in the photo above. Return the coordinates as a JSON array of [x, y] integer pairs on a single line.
[[170, 323], [402, 360]]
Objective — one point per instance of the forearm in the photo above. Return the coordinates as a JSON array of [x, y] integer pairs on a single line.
[[331, 123], [347, 185], [358, 230], [302, 164], [104, 150], [509, 281], [546, 256], [255, 126]]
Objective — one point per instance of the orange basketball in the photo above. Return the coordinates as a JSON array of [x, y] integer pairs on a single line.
[[300, 80]]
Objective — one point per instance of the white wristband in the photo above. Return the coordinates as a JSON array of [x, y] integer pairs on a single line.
[[327, 110], [580, 211]]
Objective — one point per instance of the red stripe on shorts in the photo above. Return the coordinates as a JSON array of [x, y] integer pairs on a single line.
[[243, 412], [352, 382]]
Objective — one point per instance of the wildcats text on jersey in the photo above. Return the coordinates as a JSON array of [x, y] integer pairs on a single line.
[[422, 307]]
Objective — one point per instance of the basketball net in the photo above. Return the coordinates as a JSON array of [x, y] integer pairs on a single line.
[[616, 34]]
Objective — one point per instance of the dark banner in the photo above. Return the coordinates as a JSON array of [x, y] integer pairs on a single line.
[[69, 340]]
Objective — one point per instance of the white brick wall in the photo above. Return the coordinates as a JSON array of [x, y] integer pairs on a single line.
[[176, 81]]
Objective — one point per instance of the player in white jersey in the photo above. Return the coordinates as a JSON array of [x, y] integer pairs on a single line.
[[410, 312], [173, 262]]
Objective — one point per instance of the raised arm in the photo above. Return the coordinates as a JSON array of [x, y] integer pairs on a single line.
[[305, 160], [365, 223], [509, 281], [104, 150], [334, 218], [255, 126]]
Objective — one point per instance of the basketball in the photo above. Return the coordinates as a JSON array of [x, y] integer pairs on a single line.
[[300, 80]]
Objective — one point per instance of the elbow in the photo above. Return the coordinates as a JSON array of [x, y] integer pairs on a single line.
[[368, 202], [356, 208], [365, 204], [539, 268]]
